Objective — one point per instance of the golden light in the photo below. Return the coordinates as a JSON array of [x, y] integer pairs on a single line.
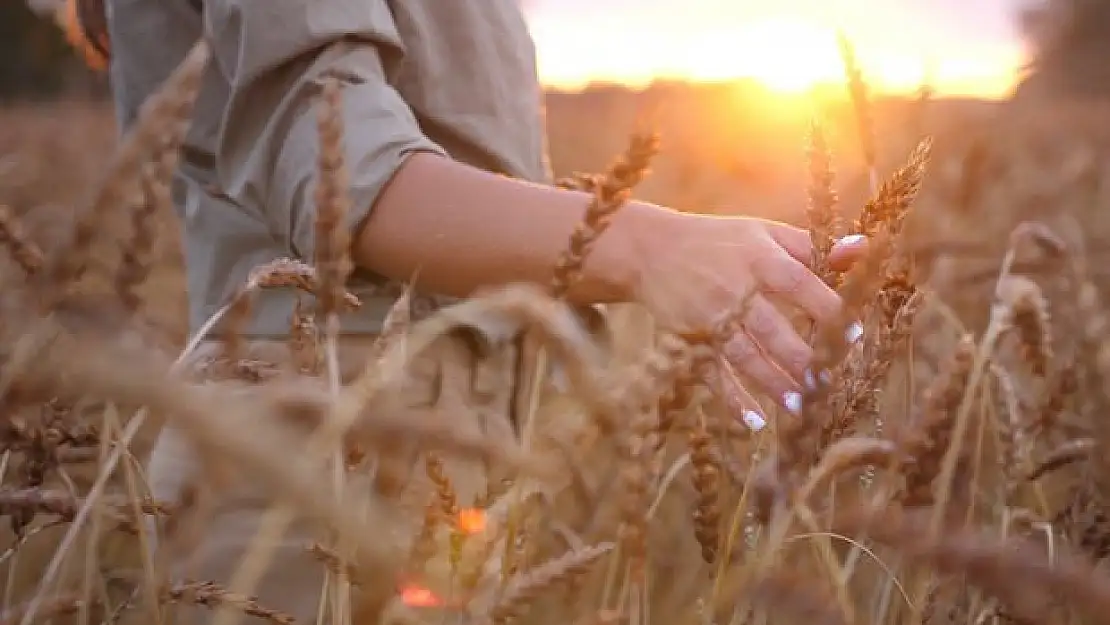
[[787, 54], [472, 520], [419, 597], [789, 47]]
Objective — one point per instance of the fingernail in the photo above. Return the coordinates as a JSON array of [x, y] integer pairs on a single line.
[[559, 380], [792, 401], [754, 420], [851, 239], [853, 333], [811, 381]]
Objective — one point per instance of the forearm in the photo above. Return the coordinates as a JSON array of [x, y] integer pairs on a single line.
[[461, 229]]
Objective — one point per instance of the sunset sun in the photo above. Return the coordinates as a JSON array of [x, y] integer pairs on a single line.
[[788, 47], [788, 55]]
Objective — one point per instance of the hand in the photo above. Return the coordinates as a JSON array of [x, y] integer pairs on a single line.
[[698, 268]]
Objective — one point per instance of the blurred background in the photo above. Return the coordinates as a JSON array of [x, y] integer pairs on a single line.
[[1005, 87], [1014, 93], [731, 83]]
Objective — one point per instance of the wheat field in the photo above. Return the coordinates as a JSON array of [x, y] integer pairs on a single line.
[[946, 471]]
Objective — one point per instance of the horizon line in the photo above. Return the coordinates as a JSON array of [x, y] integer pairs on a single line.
[[640, 86]]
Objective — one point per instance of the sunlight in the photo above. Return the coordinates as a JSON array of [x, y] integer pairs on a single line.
[[786, 54], [787, 51]]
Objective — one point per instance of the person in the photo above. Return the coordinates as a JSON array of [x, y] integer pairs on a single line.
[[446, 150]]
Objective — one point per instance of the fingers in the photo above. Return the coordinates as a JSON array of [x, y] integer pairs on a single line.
[[795, 241], [746, 356], [739, 401], [798, 243], [774, 333], [790, 274], [847, 251], [772, 354], [780, 274]]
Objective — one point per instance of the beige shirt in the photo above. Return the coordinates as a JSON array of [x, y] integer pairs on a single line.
[[455, 77]]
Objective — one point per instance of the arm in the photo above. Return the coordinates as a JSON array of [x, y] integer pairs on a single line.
[[463, 229], [412, 208]]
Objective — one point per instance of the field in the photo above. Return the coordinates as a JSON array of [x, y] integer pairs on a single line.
[[949, 470]]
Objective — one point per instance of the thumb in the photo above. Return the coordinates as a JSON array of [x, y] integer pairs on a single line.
[[847, 251]]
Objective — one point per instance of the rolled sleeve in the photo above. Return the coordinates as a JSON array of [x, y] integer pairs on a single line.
[[274, 54]]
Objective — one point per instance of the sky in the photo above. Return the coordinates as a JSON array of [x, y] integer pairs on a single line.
[[967, 47]]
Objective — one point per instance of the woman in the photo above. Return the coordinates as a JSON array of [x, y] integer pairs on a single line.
[[440, 98]]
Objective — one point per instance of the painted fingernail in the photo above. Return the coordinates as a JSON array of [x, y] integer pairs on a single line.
[[792, 401], [754, 420], [851, 239], [559, 380], [853, 333], [811, 381]]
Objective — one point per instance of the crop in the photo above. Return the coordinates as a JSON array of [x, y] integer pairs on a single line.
[[945, 468]]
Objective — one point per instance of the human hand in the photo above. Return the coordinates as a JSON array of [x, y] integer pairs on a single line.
[[698, 268]]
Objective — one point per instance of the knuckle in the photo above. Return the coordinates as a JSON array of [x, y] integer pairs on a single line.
[[830, 306], [761, 322], [770, 379], [784, 275], [799, 238], [797, 357], [741, 349], [804, 242]]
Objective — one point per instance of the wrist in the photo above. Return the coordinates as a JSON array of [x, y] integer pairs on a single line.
[[615, 269]]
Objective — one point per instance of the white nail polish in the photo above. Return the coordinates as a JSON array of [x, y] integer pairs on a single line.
[[559, 379], [754, 420], [853, 333], [792, 401], [851, 239], [811, 382]]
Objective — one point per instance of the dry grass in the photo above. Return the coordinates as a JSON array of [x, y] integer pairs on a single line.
[[948, 468]]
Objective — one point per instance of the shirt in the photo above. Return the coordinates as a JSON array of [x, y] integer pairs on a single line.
[[452, 77]]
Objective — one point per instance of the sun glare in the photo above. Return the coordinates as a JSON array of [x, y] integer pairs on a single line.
[[787, 52], [788, 55]]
